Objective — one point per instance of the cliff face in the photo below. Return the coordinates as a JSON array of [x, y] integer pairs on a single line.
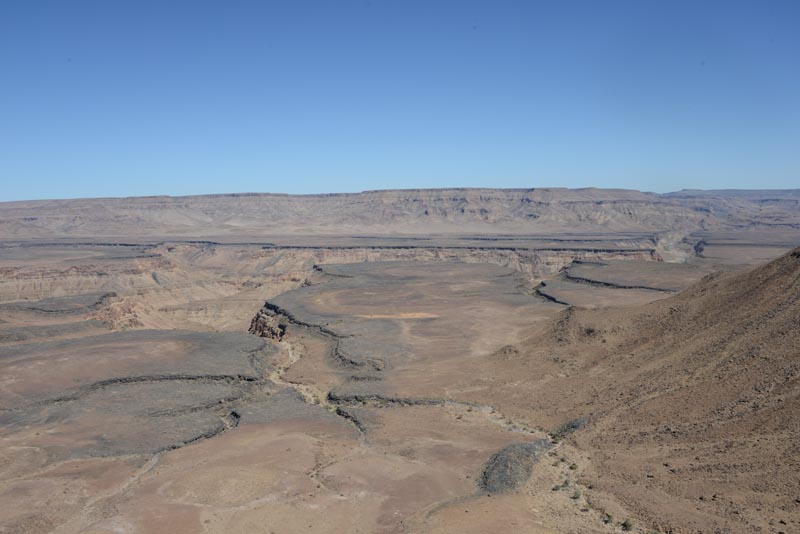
[[404, 211]]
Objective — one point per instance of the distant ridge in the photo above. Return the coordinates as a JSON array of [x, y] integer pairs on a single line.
[[411, 211]]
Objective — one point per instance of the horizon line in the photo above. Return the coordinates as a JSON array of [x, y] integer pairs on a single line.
[[401, 190]]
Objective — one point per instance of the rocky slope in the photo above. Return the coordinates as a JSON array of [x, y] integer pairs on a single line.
[[693, 401]]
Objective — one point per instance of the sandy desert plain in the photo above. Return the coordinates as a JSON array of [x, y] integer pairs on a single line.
[[471, 361]]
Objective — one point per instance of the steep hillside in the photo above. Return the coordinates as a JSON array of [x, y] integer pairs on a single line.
[[693, 401]]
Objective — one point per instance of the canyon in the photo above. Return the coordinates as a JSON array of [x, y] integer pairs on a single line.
[[472, 360]]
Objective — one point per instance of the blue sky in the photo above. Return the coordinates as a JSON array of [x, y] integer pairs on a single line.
[[143, 98]]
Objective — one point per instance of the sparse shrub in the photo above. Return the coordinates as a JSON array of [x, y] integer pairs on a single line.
[[607, 518], [567, 428], [576, 495], [565, 484], [573, 466], [627, 525]]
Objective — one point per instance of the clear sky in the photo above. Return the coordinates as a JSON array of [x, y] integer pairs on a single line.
[[113, 98]]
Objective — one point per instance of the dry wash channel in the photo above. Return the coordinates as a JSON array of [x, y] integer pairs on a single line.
[[398, 350]]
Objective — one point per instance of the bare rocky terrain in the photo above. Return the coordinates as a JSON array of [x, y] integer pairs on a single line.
[[538, 360]]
